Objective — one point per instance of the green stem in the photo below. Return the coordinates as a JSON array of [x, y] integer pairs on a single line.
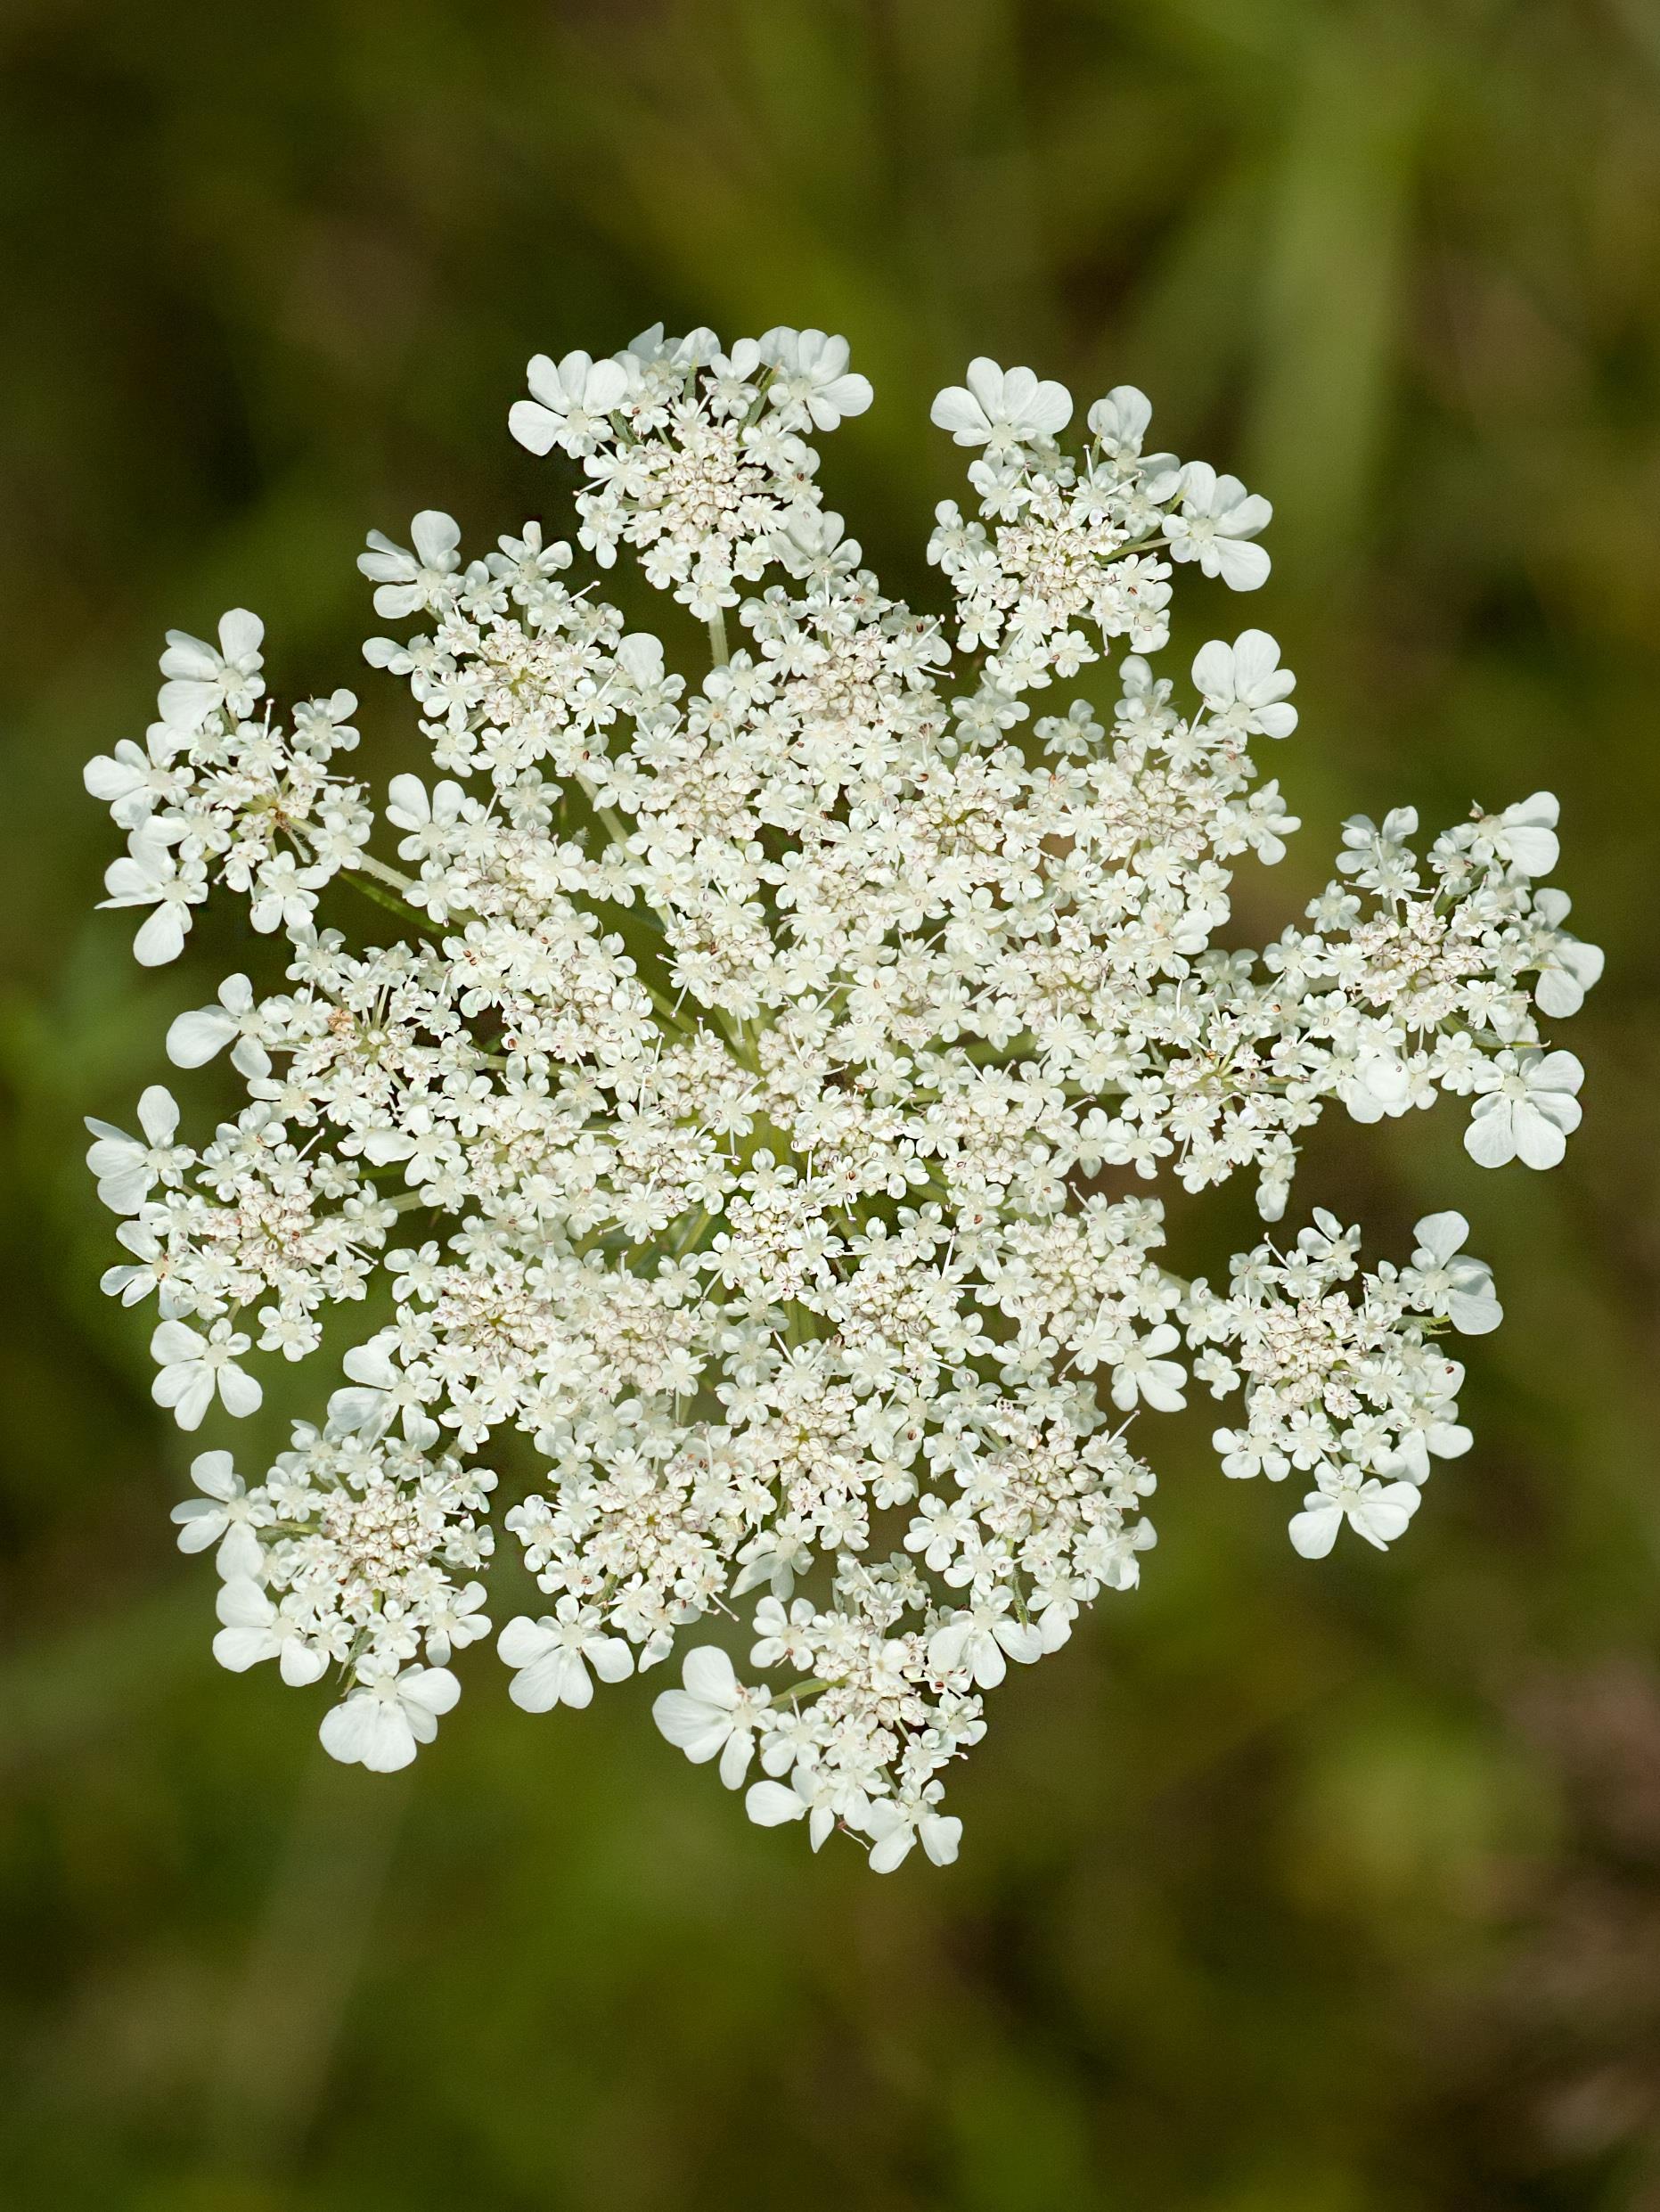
[[685, 1242], [393, 906]]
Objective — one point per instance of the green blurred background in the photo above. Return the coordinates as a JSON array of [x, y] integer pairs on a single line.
[[1285, 1889]]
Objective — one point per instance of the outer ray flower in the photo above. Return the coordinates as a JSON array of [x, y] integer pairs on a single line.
[[790, 1033]]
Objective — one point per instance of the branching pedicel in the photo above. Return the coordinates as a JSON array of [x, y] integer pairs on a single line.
[[742, 1084]]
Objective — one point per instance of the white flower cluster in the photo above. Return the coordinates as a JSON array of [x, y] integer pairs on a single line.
[[756, 1065]]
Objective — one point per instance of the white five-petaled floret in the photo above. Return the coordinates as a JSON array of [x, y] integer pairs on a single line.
[[1002, 408]]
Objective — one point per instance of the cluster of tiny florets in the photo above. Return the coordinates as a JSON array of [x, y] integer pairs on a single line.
[[727, 1154]]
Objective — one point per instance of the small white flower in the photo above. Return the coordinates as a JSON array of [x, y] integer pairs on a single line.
[[1120, 422], [1527, 1111], [195, 1037], [151, 874], [1367, 849], [975, 1641], [813, 379], [255, 1629], [1217, 519], [1376, 1510], [553, 1656], [427, 819], [1378, 1084], [1001, 408], [572, 399], [713, 1715], [1567, 968], [127, 1170], [825, 1798], [194, 1368], [457, 1618], [224, 1514], [133, 781], [385, 1392], [284, 895], [782, 1635], [1244, 686], [814, 549], [201, 680], [1142, 1370], [149, 1270], [897, 1825], [380, 1724], [1245, 1456], [1444, 1279], [410, 583], [1431, 1433]]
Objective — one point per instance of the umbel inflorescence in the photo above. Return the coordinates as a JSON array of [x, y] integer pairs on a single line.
[[717, 1154]]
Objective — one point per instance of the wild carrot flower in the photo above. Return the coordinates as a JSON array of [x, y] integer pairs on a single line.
[[722, 1133]]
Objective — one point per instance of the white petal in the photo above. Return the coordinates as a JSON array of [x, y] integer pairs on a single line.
[[1534, 851], [1048, 409], [1490, 1139], [434, 1688], [539, 1686], [532, 426], [1242, 567], [162, 936], [300, 1665], [202, 1529], [990, 386], [194, 1039], [941, 1834], [1256, 664], [175, 1340], [1314, 1531], [241, 1554], [523, 1642], [606, 386], [243, 1604], [695, 1728], [1212, 671], [409, 804], [849, 394], [214, 1473], [543, 376], [769, 1804], [735, 1756], [187, 1389], [241, 634], [708, 1674], [239, 1393], [611, 1658], [238, 1648], [368, 1732], [435, 537], [1442, 1234], [159, 1114], [1381, 1519], [960, 413], [1022, 1639], [1539, 1142], [893, 1849], [1559, 993], [1474, 1315]]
